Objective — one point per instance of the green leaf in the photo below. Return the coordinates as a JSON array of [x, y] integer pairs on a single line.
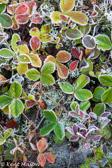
[[2, 140], [7, 133], [67, 5], [73, 34], [98, 93], [78, 17], [67, 88], [59, 130], [50, 116], [4, 101], [47, 79], [5, 20], [106, 133], [55, 17], [45, 38], [47, 129], [33, 74], [81, 82], [16, 107], [107, 96], [106, 80], [35, 32], [103, 42], [6, 53], [99, 109], [48, 68], [83, 94], [45, 29], [87, 69], [2, 8], [58, 141], [23, 58], [73, 105], [16, 89], [84, 105], [22, 68], [15, 39]]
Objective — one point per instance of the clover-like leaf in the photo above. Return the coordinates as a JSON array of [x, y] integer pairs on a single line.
[[98, 93], [106, 80], [83, 94], [16, 89], [63, 56], [16, 107], [50, 157], [47, 129], [99, 109], [84, 105], [50, 59], [35, 43], [103, 42], [22, 19], [62, 71], [55, 17], [5, 20], [23, 49], [88, 42], [6, 53], [33, 74], [47, 79], [73, 34], [5, 100], [23, 58], [73, 105], [35, 60], [82, 81], [59, 130], [22, 9], [22, 68], [78, 17], [48, 68], [50, 116], [42, 145], [41, 159], [35, 32], [67, 5], [107, 96], [67, 88]]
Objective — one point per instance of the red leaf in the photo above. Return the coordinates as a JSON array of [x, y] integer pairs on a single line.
[[12, 124], [41, 159], [50, 157], [30, 103], [36, 19], [75, 53], [63, 17], [35, 43], [63, 56], [73, 65], [31, 6], [22, 19], [42, 145], [11, 9], [22, 9]]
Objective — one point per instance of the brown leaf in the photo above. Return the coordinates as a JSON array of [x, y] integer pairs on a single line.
[[43, 105], [12, 124]]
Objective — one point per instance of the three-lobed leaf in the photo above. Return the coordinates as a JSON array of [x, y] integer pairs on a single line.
[[83, 94], [33, 74], [67, 88], [106, 80], [5, 100], [16, 89], [81, 82], [47, 129], [6, 53], [50, 116], [59, 130], [107, 96]]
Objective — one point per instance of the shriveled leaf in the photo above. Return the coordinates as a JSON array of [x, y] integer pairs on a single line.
[[99, 109], [48, 68], [35, 43], [78, 17], [83, 94], [47, 129], [82, 81], [103, 42], [22, 68], [16, 89], [5, 20], [4, 101], [33, 74], [73, 34], [12, 124], [67, 5], [67, 88], [63, 56], [23, 58], [15, 39], [50, 116], [55, 17], [41, 159], [88, 42], [16, 107], [107, 96], [47, 79], [6, 53], [74, 65], [30, 103], [42, 145], [59, 130], [35, 60], [62, 71], [50, 157], [106, 80]]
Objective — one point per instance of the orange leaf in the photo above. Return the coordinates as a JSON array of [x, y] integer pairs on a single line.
[[63, 56], [35, 60], [62, 70], [42, 145], [50, 157], [50, 59], [41, 159]]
